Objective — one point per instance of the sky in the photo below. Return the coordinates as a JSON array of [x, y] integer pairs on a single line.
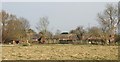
[[60, 0], [64, 16]]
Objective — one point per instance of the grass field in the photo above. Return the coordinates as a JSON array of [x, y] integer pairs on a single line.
[[60, 52]]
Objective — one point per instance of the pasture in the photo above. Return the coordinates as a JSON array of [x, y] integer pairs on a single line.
[[59, 52]]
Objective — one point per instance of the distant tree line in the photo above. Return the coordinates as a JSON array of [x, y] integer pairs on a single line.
[[19, 28]]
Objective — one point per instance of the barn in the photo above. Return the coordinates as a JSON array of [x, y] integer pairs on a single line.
[[65, 38]]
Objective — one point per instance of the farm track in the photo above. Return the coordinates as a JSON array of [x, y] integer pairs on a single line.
[[60, 52]]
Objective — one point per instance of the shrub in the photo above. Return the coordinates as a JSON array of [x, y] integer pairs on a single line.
[[25, 44]]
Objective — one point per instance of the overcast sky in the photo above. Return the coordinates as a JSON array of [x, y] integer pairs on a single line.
[[62, 16]]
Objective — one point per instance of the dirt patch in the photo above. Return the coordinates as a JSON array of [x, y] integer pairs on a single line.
[[60, 52]]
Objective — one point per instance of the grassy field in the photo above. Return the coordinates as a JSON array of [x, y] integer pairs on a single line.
[[60, 52]]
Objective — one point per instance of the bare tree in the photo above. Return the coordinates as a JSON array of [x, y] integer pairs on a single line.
[[79, 31], [12, 27], [94, 31], [0, 27], [43, 25], [25, 23], [25, 26], [109, 21], [3, 19], [0, 33], [119, 18]]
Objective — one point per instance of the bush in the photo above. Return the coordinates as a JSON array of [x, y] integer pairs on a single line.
[[25, 44]]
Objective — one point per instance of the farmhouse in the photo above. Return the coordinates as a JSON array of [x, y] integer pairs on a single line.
[[66, 38]]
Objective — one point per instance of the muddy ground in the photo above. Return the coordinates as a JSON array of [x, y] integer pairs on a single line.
[[60, 52]]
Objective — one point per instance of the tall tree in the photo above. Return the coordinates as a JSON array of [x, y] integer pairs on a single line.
[[109, 19], [12, 27], [0, 33], [25, 23], [43, 25], [3, 19], [119, 18]]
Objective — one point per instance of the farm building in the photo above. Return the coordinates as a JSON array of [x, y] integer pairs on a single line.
[[66, 38]]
